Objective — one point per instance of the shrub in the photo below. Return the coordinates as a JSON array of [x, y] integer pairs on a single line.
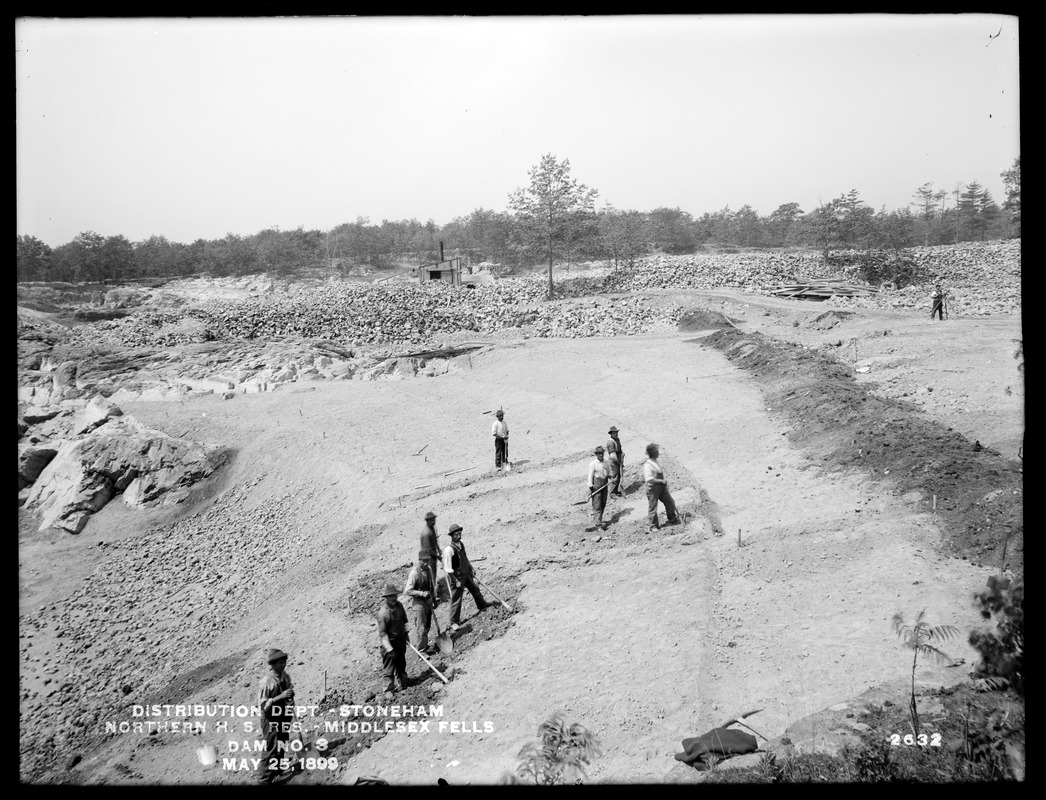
[[1002, 649], [560, 756]]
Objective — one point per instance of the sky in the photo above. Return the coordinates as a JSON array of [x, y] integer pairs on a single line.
[[197, 128]]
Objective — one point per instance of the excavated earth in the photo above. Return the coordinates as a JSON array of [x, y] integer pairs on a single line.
[[833, 467]]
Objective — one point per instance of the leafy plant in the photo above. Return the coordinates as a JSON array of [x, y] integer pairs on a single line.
[[918, 638], [1002, 650], [560, 756]]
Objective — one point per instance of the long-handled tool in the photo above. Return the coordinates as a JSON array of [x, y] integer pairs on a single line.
[[597, 491], [508, 464], [417, 652], [506, 605], [443, 640]]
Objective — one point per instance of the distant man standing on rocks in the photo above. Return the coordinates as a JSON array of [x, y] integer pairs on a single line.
[[392, 639], [500, 432], [598, 487], [421, 588], [657, 490], [460, 574], [616, 461], [276, 699], [429, 551], [938, 296]]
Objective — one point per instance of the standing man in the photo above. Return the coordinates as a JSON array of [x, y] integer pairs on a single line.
[[420, 587], [937, 296], [276, 699], [392, 639], [657, 489], [500, 431], [598, 487], [456, 564], [616, 459], [429, 551]]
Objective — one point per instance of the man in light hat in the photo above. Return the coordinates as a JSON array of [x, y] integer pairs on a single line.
[[420, 589], [657, 490], [392, 639], [616, 460], [598, 486], [276, 699], [500, 432], [460, 574], [429, 552]]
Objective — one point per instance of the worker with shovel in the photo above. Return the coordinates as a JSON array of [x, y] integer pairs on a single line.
[[456, 564], [939, 297], [500, 431], [276, 700], [657, 490], [598, 488], [392, 638], [421, 589], [616, 460]]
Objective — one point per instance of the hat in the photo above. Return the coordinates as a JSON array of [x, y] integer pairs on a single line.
[[499, 413], [389, 589], [430, 515], [650, 448], [600, 449], [454, 529], [276, 654], [613, 429]]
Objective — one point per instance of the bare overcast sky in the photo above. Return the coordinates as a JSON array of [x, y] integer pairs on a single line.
[[197, 128]]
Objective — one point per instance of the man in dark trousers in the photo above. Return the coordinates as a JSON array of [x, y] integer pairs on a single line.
[[616, 462], [937, 296], [598, 487], [460, 574], [392, 639], [421, 589], [657, 490], [276, 699], [429, 552], [500, 431]]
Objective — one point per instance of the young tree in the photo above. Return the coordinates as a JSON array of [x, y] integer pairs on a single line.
[[917, 637], [551, 209], [822, 225], [622, 235], [927, 200]]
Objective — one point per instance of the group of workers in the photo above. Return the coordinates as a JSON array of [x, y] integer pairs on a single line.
[[606, 471]]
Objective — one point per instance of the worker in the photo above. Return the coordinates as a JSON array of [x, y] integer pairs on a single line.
[[420, 588], [598, 487], [429, 552], [616, 461], [392, 638], [938, 297], [276, 700], [460, 575], [657, 489], [500, 432]]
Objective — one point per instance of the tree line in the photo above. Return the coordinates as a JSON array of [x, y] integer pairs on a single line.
[[551, 217]]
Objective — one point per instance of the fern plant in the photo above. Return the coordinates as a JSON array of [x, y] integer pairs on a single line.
[[560, 756], [918, 638]]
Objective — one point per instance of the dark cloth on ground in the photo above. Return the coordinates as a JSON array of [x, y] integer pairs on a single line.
[[717, 744]]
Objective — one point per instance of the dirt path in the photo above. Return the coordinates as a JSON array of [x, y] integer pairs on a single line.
[[645, 639]]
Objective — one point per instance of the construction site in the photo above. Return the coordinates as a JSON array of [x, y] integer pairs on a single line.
[[216, 468]]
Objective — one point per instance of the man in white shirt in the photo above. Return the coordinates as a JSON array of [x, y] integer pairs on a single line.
[[657, 489], [460, 575], [598, 487], [500, 432]]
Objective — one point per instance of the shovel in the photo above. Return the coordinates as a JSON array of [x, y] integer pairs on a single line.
[[481, 583], [443, 640], [417, 652], [508, 465], [582, 502]]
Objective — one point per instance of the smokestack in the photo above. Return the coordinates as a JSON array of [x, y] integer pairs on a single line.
[[441, 251]]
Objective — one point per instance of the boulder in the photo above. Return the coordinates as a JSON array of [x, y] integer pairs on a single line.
[[31, 462], [95, 414]]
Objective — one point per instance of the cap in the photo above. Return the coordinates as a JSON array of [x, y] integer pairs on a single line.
[[430, 515], [276, 654], [613, 429], [389, 589], [454, 529], [650, 448], [600, 449], [499, 413]]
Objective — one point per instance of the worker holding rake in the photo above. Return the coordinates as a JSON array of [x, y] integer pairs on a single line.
[[457, 566], [598, 487]]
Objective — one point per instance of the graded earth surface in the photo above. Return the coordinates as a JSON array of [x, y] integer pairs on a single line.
[[833, 467]]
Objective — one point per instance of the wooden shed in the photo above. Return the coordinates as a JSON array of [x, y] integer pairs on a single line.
[[449, 271]]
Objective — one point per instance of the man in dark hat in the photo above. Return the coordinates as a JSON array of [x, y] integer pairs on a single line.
[[616, 461], [420, 589], [598, 485], [460, 574], [429, 552], [938, 296], [392, 639], [500, 431], [657, 489], [276, 699]]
